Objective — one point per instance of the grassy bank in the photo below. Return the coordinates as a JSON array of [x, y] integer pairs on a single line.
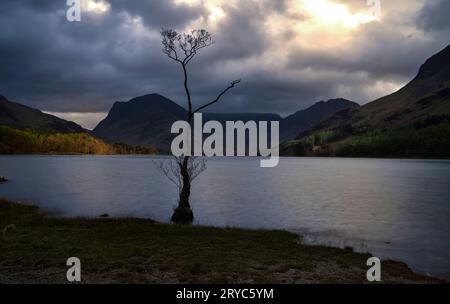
[[34, 248]]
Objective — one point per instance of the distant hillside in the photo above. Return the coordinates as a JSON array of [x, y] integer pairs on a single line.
[[144, 121], [302, 120], [223, 117], [147, 120], [18, 116], [422, 105], [14, 141]]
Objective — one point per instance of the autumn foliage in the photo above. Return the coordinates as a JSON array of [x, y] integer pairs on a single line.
[[13, 141]]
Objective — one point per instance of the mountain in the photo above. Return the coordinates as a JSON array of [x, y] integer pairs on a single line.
[[422, 103], [223, 117], [18, 116], [24, 130], [302, 120], [146, 120]]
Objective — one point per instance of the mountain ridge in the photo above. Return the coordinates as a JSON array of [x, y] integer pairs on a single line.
[[306, 118], [421, 103], [19, 116], [140, 122], [146, 120]]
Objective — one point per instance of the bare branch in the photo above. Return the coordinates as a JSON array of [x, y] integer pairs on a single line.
[[188, 44], [169, 39], [196, 166], [175, 44], [171, 170], [232, 85], [172, 167]]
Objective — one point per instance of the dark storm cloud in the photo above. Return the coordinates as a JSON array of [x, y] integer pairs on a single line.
[[377, 51], [160, 13], [36, 6], [55, 65], [241, 34], [435, 15], [49, 63]]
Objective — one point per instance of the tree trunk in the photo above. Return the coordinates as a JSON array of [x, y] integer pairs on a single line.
[[183, 213]]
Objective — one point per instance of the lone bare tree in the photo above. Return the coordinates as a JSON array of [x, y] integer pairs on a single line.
[[182, 48]]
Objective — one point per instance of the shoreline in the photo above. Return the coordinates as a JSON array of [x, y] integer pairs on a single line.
[[215, 157], [35, 246]]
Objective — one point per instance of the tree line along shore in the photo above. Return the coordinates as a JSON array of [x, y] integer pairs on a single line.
[[31, 141]]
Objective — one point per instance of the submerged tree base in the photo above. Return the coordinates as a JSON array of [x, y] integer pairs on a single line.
[[183, 216]]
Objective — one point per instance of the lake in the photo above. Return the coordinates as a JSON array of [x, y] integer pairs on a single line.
[[397, 209]]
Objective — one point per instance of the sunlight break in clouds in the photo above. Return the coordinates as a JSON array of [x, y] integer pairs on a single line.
[[330, 13], [333, 22], [214, 7], [96, 6]]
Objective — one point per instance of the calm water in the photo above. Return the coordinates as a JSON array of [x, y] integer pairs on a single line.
[[393, 208]]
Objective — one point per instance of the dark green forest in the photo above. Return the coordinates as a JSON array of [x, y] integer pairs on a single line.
[[417, 141], [429, 142]]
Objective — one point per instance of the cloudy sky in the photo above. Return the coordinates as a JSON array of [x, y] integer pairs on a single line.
[[288, 53]]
